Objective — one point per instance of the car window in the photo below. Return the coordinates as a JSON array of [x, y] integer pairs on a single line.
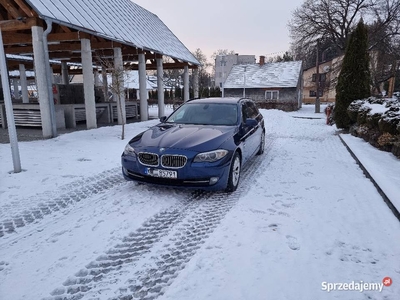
[[252, 110], [205, 114]]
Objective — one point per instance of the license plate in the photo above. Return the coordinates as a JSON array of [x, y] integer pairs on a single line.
[[161, 173]]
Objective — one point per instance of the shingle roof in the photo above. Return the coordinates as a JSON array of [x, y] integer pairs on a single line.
[[119, 20], [269, 75]]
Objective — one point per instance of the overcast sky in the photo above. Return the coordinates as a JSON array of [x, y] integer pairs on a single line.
[[256, 27]]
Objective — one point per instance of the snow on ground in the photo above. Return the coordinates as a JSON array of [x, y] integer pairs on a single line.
[[384, 170], [307, 215]]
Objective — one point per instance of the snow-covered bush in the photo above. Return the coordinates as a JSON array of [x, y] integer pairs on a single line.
[[396, 149], [377, 122], [390, 120], [353, 109], [386, 141]]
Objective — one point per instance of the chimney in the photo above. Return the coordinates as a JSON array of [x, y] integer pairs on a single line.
[[262, 60]]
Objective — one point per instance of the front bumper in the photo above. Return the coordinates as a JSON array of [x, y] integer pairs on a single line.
[[206, 176]]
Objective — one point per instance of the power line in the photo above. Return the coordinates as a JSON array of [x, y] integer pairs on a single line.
[[276, 53]]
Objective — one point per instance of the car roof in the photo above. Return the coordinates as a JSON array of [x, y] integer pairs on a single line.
[[218, 100]]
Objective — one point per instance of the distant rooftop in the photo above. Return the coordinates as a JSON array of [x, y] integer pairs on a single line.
[[269, 75]]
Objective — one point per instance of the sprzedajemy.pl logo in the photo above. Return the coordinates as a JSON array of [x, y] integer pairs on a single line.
[[359, 286]]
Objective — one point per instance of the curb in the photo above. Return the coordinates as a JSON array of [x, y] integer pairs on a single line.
[[378, 188]]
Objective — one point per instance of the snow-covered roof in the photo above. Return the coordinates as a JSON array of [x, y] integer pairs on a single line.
[[17, 74], [269, 75], [119, 20], [131, 81]]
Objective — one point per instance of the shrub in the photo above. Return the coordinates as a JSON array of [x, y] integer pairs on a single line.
[[362, 116], [390, 120], [396, 149], [386, 141], [353, 109]]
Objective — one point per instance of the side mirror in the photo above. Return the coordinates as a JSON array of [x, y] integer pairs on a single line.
[[251, 122], [162, 119]]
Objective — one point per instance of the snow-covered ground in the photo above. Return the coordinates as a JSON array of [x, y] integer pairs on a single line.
[[304, 218]]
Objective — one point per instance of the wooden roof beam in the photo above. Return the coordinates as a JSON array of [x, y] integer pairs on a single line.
[[67, 36], [11, 9], [16, 38], [29, 12], [166, 66], [52, 37], [20, 24]]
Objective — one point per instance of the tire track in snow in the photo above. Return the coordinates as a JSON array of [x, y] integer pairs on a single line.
[[128, 251], [188, 237], [185, 228], [61, 199]]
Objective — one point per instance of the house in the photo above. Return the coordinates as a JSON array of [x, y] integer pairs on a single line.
[[271, 85], [224, 64], [328, 75]]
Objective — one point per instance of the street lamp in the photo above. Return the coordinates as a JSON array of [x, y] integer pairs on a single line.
[[317, 77]]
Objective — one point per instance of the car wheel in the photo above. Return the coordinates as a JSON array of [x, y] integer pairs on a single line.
[[234, 173], [262, 144]]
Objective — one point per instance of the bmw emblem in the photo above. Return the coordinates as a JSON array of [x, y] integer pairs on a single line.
[[162, 149]]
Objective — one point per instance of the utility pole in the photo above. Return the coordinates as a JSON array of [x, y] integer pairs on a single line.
[[223, 64], [317, 102], [244, 82], [392, 81]]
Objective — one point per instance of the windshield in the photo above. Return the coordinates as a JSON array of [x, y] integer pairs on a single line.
[[205, 114]]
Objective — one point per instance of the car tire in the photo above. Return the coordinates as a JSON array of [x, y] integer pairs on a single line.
[[234, 173], [262, 144]]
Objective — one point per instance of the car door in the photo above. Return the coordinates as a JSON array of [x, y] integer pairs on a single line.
[[255, 133], [248, 133]]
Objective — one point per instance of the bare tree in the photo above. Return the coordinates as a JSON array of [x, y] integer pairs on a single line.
[[171, 77], [332, 22], [204, 75], [119, 75]]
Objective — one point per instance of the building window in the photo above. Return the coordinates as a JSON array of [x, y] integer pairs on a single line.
[[322, 77], [271, 95], [314, 93], [220, 74]]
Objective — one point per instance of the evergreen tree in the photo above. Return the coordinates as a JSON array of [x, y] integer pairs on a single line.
[[354, 78]]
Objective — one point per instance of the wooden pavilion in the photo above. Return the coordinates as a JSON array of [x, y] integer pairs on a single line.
[[71, 37]]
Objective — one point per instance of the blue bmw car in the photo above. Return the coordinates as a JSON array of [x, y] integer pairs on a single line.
[[203, 144]]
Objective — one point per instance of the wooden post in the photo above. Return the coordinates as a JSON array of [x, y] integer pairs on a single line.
[[142, 88], [118, 85], [186, 84], [24, 83], [160, 88], [88, 84], [41, 80], [64, 72]]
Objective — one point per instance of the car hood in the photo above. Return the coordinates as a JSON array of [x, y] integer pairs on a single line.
[[190, 137]]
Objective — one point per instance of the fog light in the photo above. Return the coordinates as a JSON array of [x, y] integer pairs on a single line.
[[213, 180], [125, 171]]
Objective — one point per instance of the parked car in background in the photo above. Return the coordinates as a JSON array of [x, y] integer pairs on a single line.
[[203, 144]]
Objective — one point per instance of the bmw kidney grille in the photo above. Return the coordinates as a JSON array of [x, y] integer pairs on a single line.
[[167, 160], [148, 159], [173, 161]]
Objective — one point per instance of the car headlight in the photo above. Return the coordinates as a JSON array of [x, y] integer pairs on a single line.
[[129, 150], [210, 156]]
